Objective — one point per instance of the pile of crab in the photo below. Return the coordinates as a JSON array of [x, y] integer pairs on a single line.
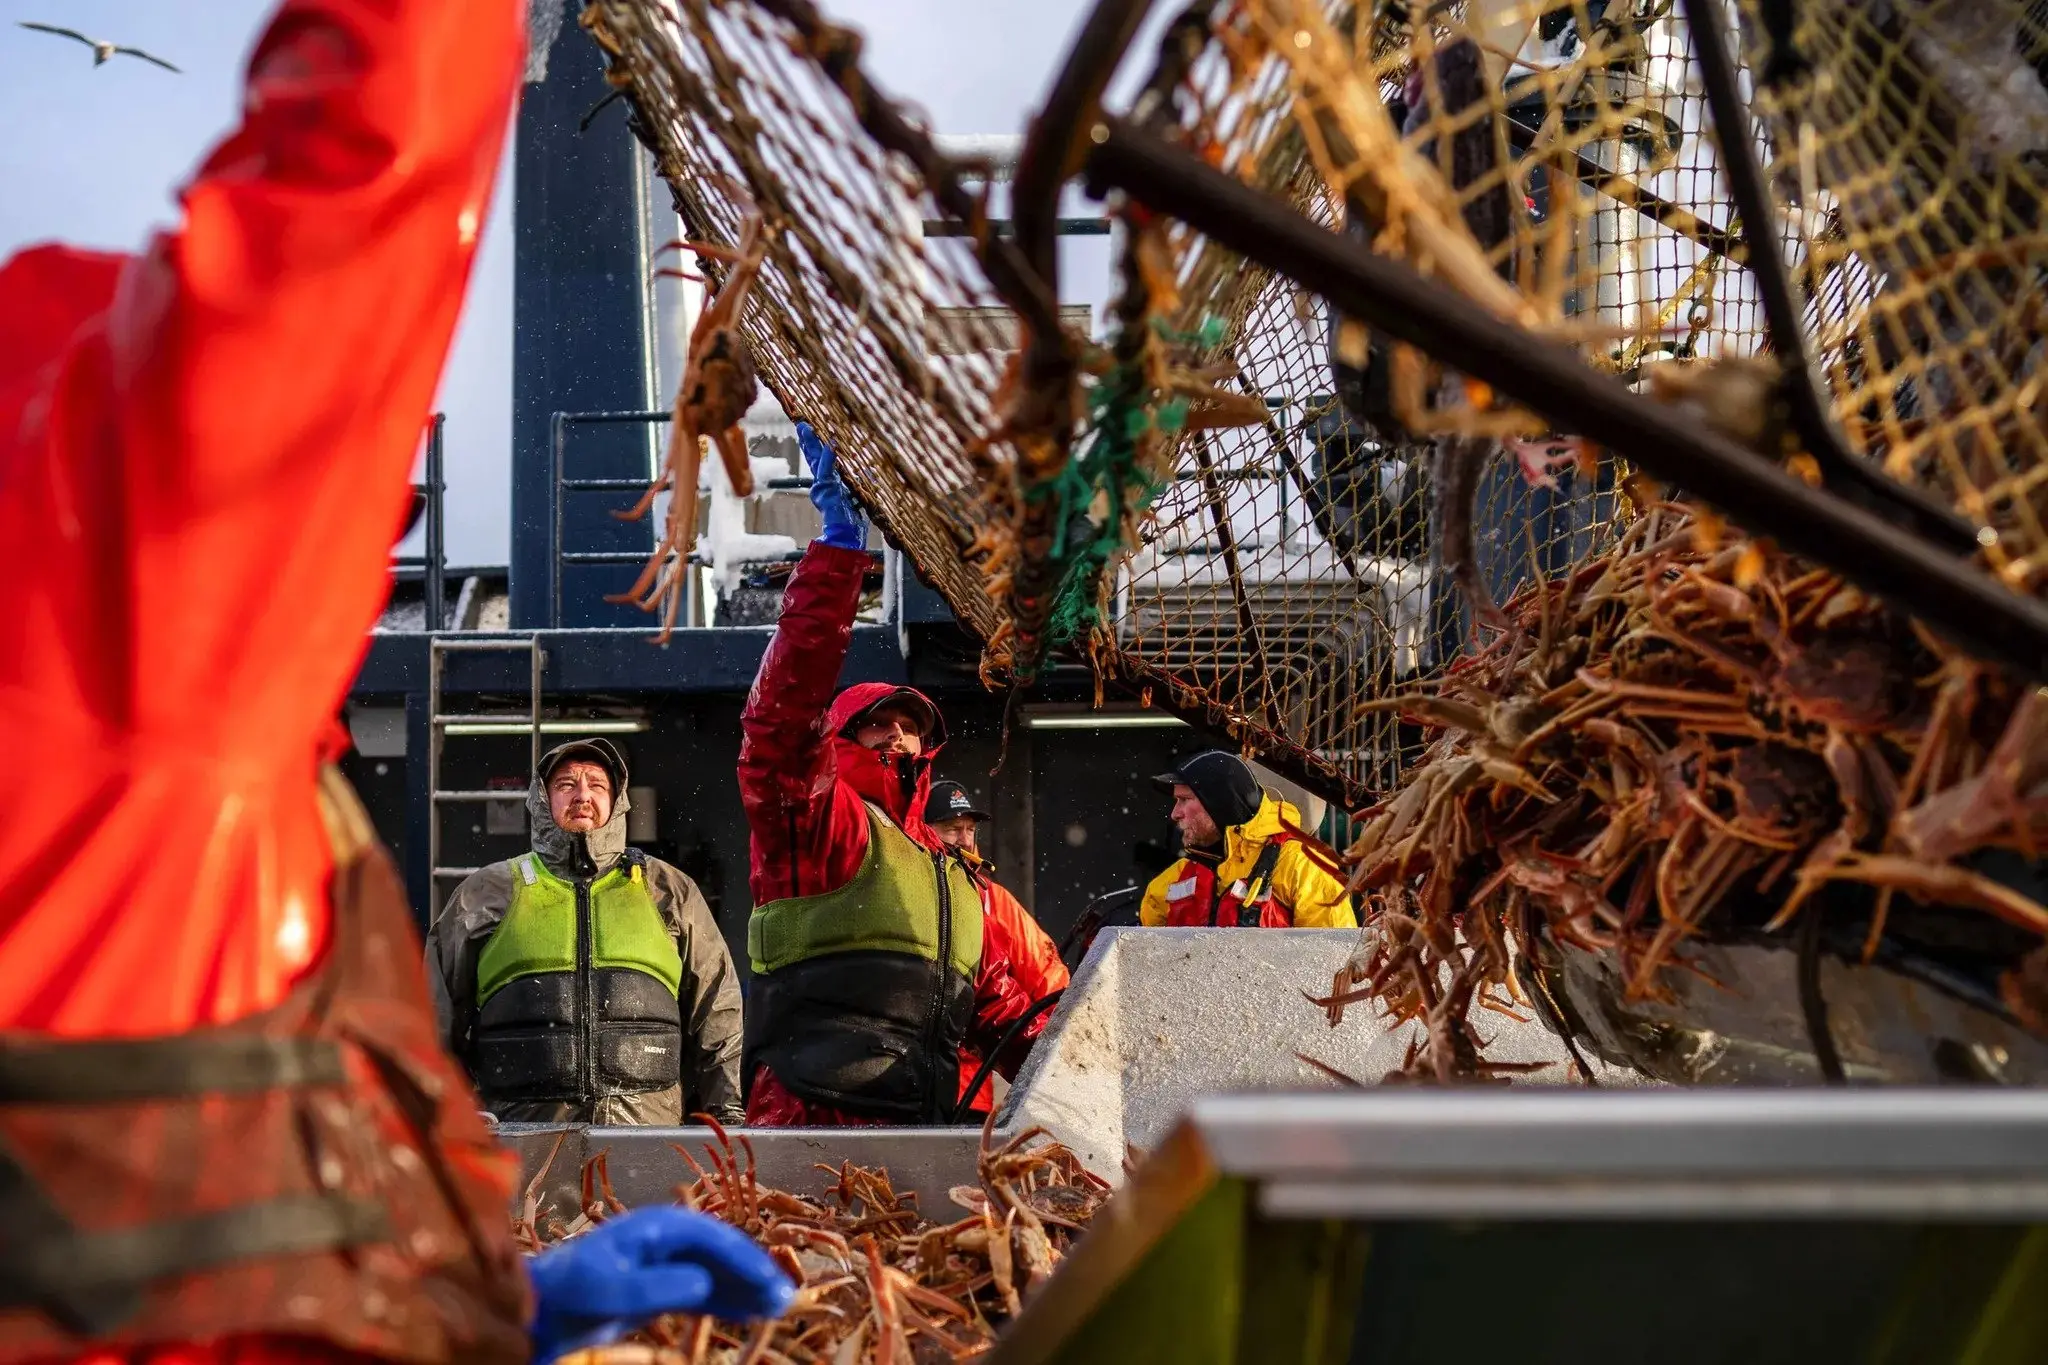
[[876, 1280], [1684, 737]]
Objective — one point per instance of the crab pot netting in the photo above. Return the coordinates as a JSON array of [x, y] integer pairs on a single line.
[[1556, 167], [1909, 150], [1554, 163], [890, 345]]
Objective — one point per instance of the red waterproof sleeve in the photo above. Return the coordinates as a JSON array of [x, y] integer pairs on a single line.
[[807, 830], [203, 476], [253, 1350], [1000, 999]]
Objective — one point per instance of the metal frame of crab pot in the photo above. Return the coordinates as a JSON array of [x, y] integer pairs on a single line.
[[1889, 539], [1880, 555], [1426, 1227]]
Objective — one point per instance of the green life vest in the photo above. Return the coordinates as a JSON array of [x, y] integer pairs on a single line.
[[538, 933], [863, 996], [890, 906], [577, 990]]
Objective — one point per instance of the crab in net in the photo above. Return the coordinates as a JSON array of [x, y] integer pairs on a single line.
[[1685, 736], [718, 385], [877, 1280]]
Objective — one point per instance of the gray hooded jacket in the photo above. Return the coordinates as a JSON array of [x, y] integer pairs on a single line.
[[710, 994]]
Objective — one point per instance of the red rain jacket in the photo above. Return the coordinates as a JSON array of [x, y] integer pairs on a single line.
[[805, 788], [204, 453]]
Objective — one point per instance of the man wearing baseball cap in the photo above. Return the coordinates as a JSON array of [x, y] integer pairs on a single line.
[[1243, 863], [583, 981], [953, 814], [1034, 957]]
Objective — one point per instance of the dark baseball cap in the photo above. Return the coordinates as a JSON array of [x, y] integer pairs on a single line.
[[949, 800], [908, 699]]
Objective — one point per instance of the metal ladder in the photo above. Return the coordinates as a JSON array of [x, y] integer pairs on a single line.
[[438, 648]]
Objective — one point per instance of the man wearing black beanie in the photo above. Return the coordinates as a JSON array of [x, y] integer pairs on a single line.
[[1243, 863]]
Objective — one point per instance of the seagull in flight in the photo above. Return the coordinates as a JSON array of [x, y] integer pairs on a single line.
[[101, 51]]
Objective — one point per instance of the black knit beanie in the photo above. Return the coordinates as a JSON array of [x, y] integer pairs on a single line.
[[1222, 782]]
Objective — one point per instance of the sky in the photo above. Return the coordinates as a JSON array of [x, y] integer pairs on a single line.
[[95, 156]]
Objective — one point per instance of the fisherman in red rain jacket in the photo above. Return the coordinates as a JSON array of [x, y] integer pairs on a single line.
[[873, 964], [226, 1131]]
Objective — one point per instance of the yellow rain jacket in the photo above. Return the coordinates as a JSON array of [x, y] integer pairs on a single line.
[[1267, 879]]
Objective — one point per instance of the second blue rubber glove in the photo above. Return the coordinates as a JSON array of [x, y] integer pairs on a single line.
[[630, 1269], [843, 528]]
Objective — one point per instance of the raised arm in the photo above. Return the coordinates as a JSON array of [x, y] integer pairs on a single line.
[[805, 827], [203, 464], [274, 360], [787, 781], [211, 478]]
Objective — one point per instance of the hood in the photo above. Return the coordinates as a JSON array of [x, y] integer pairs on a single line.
[[1265, 823], [1224, 783], [898, 788], [866, 696], [578, 855]]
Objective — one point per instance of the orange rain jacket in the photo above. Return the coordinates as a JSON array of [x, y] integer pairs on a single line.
[[204, 454], [1034, 962]]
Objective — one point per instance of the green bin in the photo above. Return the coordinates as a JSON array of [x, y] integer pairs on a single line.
[[1722, 1227]]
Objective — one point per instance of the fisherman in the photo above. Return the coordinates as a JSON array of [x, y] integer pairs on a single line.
[[227, 1136], [873, 963], [1034, 957], [651, 1033], [1243, 860]]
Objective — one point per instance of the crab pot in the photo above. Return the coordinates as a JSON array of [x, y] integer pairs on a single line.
[[1426, 1227]]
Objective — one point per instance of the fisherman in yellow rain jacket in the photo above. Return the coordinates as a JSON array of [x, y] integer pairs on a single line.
[[1243, 860]]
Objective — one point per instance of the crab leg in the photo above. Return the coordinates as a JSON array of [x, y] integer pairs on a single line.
[[732, 448], [730, 255]]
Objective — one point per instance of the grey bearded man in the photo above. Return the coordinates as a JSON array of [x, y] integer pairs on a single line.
[[584, 982]]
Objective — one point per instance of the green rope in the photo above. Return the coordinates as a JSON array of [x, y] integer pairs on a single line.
[[1124, 412], [1207, 337], [1119, 418]]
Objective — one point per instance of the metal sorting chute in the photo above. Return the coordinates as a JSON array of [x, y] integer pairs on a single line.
[[1155, 1020], [1158, 1018], [1417, 1227], [644, 1166]]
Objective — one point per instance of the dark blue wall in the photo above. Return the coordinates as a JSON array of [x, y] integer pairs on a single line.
[[580, 338]]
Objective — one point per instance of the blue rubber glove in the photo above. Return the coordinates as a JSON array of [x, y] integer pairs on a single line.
[[843, 529], [627, 1270]]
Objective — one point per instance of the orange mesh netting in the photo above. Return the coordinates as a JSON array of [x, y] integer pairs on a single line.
[[1909, 149], [1252, 525], [891, 346]]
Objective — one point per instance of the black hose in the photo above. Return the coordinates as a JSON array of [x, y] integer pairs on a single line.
[[1017, 1026], [1813, 1004]]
